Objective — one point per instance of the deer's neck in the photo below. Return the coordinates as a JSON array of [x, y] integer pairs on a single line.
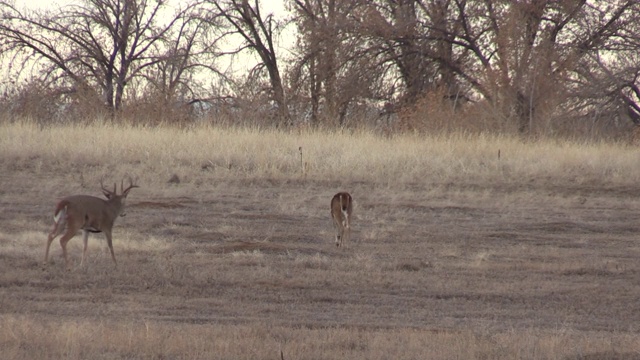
[[115, 206]]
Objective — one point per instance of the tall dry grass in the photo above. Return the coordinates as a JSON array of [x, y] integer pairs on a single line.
[[197, 153]]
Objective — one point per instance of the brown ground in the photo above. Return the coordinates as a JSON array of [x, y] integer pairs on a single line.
[[442, 257]]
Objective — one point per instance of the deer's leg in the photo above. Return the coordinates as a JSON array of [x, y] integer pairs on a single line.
[[336, 225], [110, 244], [346, 228], [85, 243], [71, 232], [58, 228], [347, 233]]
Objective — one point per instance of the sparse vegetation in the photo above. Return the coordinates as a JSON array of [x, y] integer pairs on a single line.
[[456, 253]]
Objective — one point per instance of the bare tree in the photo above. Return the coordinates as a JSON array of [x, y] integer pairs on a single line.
[[407, 46], [354, 51], [606, 84], [245, 23], [186, 56], [334, 68], [522, 56], [531, 62], [102, 44]]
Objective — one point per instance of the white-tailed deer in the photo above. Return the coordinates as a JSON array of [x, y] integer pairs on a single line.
[[341, 209], [89, 214]]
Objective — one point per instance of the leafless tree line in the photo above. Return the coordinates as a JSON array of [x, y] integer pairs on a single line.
[[527, 64]]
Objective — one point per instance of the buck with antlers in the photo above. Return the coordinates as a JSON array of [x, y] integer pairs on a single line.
[[341, 210], [89, 214]]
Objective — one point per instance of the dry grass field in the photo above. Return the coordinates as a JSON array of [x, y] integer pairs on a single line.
[[456, 253]]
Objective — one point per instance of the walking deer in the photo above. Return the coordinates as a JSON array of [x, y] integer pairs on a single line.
[[341, 210], [89, 214]]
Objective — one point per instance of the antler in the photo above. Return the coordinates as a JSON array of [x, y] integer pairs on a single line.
[[106, 191], [132, 185]]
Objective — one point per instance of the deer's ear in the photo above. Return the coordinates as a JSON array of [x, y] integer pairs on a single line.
[[107, 194]]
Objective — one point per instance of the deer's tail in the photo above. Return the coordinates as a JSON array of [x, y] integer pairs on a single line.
[[61, 212]]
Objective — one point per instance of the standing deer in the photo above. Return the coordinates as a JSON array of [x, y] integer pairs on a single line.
[[89, 214], [341, 210]]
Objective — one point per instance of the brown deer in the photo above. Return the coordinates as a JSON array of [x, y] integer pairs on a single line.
[[89, 214], [341, 210]]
